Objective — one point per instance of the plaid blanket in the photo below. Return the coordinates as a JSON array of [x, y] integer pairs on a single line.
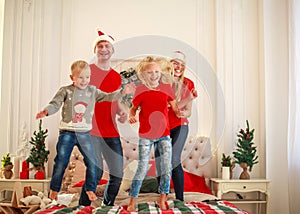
[[174, 207]]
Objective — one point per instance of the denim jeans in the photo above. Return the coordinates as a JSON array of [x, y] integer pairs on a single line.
[[111, 150], [163, 144], [66, 142], [178, 136]]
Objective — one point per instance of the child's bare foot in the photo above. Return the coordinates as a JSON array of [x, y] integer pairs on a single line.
[[92, 196], [53, 195], [162, 201], [132, 205]]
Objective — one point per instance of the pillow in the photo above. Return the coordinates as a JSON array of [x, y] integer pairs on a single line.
[[194, 183], [149, 185], [128, 175], [80, 183]]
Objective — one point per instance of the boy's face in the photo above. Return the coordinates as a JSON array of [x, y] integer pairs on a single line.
[[179, 67], [152, 74], [81, 79]]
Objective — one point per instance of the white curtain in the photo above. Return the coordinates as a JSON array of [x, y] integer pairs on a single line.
[[294, 108]]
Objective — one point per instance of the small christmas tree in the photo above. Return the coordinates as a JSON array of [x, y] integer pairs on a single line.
[[6, 160], [38, 153], [246, 151]]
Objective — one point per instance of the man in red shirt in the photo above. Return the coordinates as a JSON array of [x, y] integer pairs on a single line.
[[105, 135]]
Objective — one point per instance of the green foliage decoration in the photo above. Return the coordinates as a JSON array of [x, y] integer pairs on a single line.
[[38, 153], [246, 151], [6, 160], [226, 160]]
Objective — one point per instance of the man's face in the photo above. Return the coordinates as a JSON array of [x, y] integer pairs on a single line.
[[104, 50]]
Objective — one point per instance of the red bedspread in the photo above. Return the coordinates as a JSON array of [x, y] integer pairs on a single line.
[[174, 207]]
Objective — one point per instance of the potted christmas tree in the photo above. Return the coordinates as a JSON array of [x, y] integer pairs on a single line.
[[7, 166], [38, 153], [227, 166], [245, 154]]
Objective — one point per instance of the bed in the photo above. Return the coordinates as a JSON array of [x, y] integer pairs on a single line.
[[197, 164]]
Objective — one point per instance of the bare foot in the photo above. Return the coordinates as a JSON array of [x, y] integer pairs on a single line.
[[53, 195], [162, 201], [92, 196], [132, 205]]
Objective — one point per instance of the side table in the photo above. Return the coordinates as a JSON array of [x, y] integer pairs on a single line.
[[260, 186], [36, 185]]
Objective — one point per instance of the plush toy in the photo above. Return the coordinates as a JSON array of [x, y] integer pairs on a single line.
[[39, 199]]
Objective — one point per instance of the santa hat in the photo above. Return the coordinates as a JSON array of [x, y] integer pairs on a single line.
[[178, 55], [103, 37]]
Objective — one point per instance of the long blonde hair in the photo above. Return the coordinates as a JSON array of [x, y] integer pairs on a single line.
[[178, 83], [165, 66]]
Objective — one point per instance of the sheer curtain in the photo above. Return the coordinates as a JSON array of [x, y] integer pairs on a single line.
[[294, 108]]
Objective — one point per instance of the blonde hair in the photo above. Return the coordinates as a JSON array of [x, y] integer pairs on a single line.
[[141, 67], [78, 66], [166, 69], [178, 82]]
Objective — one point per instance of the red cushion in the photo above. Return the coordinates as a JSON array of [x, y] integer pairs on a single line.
[[80, 183], [152, 169], [194, 183]]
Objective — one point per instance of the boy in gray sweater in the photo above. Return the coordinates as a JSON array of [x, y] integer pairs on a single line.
[[77, 101]]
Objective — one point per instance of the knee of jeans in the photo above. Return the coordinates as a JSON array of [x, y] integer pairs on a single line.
[[117, 181], [60, 165]]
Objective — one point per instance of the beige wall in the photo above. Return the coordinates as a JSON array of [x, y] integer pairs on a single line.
[[231, 39]]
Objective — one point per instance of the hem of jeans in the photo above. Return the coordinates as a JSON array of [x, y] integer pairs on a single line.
[[164, 192], [55, 189], [90, 189]]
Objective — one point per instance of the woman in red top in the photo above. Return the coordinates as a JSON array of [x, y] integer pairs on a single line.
[[185, 92]]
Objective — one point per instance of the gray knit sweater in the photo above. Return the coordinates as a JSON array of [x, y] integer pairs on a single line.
[[78, 106]]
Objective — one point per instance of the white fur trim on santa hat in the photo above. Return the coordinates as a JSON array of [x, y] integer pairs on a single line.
[[178, 55], [103, 37]]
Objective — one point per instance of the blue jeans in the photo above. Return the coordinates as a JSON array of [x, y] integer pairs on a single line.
[[66, 142], [163, 144], [111, 150], [178, 135]]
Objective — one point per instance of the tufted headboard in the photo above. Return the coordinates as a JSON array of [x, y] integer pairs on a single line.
[[196, 159], [196, 155]]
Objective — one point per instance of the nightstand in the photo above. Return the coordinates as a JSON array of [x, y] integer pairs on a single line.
[[37, 185], [252, 191]]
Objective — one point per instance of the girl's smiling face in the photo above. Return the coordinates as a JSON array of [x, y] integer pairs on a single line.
[[152, 74]]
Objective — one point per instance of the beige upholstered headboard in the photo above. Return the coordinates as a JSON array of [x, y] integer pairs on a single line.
[[196, 158], [196, 155]]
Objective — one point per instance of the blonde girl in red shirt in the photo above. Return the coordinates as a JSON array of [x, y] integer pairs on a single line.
[[151, 99]]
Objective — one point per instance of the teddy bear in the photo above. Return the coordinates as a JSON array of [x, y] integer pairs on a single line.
[[39, 199]]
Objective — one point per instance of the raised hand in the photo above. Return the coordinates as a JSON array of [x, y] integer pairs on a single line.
[[41, 114], [129, 88], [194, 94]]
